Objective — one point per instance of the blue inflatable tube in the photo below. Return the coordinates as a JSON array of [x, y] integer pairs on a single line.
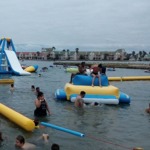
[[87, 80], [60, 94], [124, 98], [62, 129]]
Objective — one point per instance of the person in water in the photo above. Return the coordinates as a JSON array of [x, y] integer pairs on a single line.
[[33, 88], [79, 100], [22, 144], [37, 124], [148, 109], [1, 137], [55, 147], [41, 106], [37, 90], [12, 88]]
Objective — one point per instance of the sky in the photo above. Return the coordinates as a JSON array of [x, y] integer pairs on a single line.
[[89, 25]]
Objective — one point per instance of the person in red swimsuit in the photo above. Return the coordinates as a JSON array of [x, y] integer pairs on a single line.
[[96, 73]]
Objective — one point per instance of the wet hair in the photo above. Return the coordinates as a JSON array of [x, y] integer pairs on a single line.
[[36, 122], [12, 85], [37, 90], [82, 63], [39, 94], [55, 147], [100, 65], [32, 86], [20, 138], [96, 103], [82, 93]]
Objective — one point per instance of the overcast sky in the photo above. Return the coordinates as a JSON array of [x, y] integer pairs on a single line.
[[83, 24]]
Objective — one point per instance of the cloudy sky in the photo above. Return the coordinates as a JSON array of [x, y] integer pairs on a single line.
[[83, 24]]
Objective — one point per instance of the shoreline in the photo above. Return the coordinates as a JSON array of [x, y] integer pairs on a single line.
[[127, 65]]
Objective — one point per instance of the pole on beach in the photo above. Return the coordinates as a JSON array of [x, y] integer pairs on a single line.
[[62, 129]]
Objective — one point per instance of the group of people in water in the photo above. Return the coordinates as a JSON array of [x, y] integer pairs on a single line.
[[41, 110], [21, 143]]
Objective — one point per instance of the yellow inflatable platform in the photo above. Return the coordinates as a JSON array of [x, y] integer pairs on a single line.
[[104, 90], [6, 81], [17, 118]]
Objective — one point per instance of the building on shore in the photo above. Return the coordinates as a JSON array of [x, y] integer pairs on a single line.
[[52, 54]]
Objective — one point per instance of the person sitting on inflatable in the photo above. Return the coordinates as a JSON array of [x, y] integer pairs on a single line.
[[96, 74], [81, 70]]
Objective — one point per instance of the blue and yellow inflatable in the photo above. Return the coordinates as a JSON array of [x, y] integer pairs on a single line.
[[106, 94], [31, 68]]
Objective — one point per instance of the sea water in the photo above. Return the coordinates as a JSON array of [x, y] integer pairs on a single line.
[[106, 127]]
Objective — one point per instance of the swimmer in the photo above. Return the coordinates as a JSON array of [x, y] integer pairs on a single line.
[[12, 88], [32, 88], [79, 100], [20, 143], [55, 147], [1, 137], [148, 109]]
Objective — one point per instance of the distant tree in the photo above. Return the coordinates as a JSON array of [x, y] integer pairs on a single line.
[[140, 53], [38, 54], [53, 48], [143, 53], [68, 53], [77, 52], [57, 57], [48, 56], [82, 57], [133, 53]]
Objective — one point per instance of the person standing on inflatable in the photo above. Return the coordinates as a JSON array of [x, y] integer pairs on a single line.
[[81, 70], [41, 106]]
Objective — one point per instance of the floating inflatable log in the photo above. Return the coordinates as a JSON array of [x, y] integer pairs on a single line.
[[17, 118], [129, 78], [6, 81]]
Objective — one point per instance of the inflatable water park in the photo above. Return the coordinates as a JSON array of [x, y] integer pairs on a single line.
[[104, 94], [9, 63]]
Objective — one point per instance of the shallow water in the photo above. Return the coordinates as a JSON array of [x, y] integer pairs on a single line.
[[105, 127]]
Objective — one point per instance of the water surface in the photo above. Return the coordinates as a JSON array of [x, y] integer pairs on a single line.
[[105, 127]]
